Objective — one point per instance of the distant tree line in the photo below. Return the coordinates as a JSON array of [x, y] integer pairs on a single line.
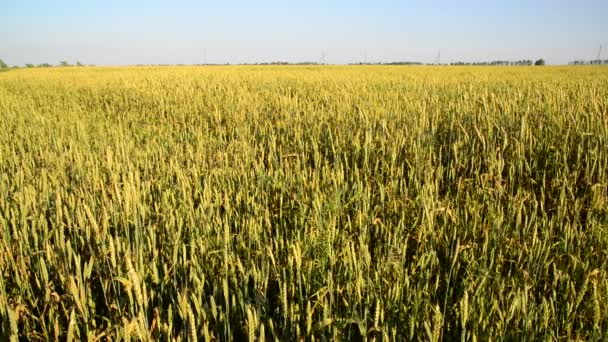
[[227, 63], [285, 63], [47, 65], [41, 65], [592, 62], [389, 63], [520, 62], [403, 63], [523, 62]]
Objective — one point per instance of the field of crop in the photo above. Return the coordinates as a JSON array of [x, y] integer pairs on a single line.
[[340, 203]]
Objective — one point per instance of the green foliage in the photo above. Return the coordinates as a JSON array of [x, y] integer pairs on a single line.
[[539, 62], [337, 203], [64, 63], [3, 65]]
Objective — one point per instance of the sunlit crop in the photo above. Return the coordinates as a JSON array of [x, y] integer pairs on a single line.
[[226, 203]]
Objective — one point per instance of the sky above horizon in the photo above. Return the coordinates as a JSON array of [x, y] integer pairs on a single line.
[[123, 32]]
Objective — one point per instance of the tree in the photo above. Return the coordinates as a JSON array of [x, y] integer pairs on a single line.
[[29, 65], [3, 65], [79, 64], [64, 63], [540, 62]]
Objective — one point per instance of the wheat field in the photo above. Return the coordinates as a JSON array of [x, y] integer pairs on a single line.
[[304, 202]]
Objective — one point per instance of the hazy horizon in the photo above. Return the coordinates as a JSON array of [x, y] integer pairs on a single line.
[[188, 32]]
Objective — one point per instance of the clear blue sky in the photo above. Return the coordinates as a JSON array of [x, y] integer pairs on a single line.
[[117, 32]]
